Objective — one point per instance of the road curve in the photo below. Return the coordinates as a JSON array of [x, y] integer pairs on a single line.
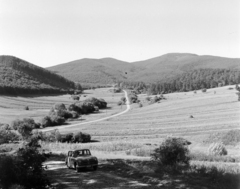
[[93, 121]]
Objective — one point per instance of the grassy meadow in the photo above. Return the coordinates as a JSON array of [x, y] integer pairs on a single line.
[[13, 107], [140, 130]]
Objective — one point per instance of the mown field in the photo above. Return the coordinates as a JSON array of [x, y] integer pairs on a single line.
[[213, 112], [12, 107]]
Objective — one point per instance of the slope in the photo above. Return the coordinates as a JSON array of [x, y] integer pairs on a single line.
[[20, 77], [174, 64], [109, 70], [95, 71]]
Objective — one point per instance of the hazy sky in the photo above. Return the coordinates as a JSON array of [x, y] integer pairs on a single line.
[[49, 32]]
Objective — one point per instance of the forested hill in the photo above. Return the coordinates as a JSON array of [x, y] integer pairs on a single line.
[[170, 65], [163, 68], [95, 71], [20, 77]]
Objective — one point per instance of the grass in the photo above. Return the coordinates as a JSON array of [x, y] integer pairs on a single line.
[[13, 107]]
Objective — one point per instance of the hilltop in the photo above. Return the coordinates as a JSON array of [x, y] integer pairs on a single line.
[[21, 77], [172, 65], [95, 71]]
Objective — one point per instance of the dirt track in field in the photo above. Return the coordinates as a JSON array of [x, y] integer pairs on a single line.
[[119, 174]]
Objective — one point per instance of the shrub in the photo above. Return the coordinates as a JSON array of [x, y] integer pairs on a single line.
[[140, 105], [75, 97], [204, 90], [80, 137], [25, 168], [217, 149], [59, 106], [74, 114], [7, 136], [123, 99], [171, 154], [57, 120], [96, 109], [46, 121], [120, 103], [148, 98], [64, 138], [25, 126], [232, 137], [26, 108], [73, 107], [100, 103]]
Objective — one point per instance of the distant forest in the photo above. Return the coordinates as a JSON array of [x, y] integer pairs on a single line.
[[20, 77], [189, 81]]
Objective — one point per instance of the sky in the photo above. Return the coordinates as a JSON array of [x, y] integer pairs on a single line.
[[50, 32]]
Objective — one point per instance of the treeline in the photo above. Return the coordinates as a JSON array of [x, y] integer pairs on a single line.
[[20, 77], [194, 80]]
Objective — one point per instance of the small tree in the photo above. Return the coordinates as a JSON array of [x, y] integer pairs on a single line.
[[217, 149], [46, 121], [171, 154]]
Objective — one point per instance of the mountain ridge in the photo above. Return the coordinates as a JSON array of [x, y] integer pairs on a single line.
[[109, 70]]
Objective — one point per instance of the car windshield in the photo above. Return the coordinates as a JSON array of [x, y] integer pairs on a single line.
[[81, 153]]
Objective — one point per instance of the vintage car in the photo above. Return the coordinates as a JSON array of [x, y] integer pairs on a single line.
[[81, 159]]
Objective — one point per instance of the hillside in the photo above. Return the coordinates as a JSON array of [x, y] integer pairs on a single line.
[[95, 71], [174, 64], [109, 70], [20, 77]]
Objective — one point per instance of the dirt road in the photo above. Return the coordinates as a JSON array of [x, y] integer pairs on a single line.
[[94, 121]]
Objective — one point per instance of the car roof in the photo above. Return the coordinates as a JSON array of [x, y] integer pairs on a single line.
[[80, 150]]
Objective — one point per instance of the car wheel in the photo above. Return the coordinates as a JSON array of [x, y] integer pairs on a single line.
[[95, 167]]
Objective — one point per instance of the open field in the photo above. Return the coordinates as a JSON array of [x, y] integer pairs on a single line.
[[211, 113], [12, 107]]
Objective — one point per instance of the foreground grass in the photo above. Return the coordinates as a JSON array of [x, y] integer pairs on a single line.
[[143, 174]]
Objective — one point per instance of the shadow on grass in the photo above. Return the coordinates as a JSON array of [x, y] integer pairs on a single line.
[[119, 173]]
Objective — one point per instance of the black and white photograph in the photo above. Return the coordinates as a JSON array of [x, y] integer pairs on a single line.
[[119, 94]]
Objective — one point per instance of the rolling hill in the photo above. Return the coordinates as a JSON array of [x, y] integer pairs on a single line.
[[174, 64], [20, 77], [109, 70], [95, 71]]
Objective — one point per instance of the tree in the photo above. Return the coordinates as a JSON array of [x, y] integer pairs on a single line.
[[171, 154]]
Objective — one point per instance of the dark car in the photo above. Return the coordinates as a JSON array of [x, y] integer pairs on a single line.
[[81, 159]]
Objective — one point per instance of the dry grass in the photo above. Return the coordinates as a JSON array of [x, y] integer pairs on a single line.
[[13, 107]]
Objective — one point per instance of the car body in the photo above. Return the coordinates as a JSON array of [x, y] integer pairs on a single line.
[[81, 159]]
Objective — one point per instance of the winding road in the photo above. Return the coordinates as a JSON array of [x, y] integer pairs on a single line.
[[93, 121]]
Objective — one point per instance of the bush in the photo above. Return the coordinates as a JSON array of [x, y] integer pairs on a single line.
[[26, 108], [74, 114], [123, 99], [204, 90], [81, 137], [148, 98], [100, 103], [64, 138], [7, 135], [25, 126], [74, 97], [57, 120], [232, 137], [25, 169], [217, 149], [59, 106], [120, 103], [46, 121], [140, 105], [171, 154]]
